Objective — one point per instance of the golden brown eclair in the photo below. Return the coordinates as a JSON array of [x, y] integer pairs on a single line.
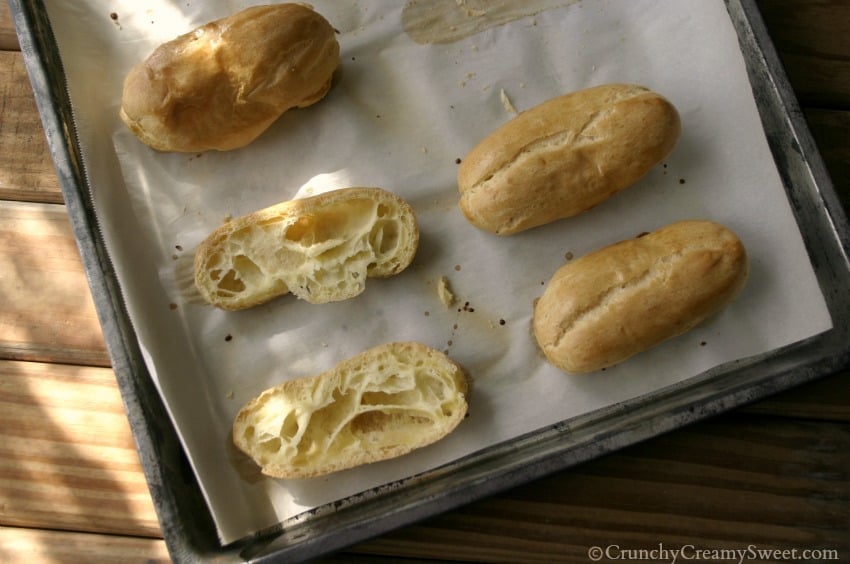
[[611, 304], [565, 156], [220, 86]]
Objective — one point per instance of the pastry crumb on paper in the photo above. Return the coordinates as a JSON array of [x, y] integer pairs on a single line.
[[506, 102], [443, 291]]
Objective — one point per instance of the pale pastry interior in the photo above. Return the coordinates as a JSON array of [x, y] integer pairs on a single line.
[[322, 255], [382, 403]]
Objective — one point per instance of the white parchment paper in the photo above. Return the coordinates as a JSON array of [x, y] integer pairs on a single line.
[[398, 116]]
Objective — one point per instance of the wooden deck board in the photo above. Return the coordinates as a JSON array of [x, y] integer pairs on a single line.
[[39, 546], [67, 456], [26, 168], [8, 37], [774, 481], [48, 313], [811, 39]]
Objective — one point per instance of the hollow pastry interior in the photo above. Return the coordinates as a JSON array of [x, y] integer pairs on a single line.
[[382, 403], [321, 249]]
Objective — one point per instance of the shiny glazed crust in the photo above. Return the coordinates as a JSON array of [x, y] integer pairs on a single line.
[[321, 248], [220, 86], [379, 404], [613, 303], [565, 156]]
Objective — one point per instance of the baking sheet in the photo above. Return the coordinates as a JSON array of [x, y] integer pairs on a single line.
[[399, 115]]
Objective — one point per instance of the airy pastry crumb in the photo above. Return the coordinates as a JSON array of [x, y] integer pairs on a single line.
[[506, 102], [363, 232], [446, 295], [382, 403]]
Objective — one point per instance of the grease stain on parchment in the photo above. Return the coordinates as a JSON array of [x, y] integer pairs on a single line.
[[446, 21]]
